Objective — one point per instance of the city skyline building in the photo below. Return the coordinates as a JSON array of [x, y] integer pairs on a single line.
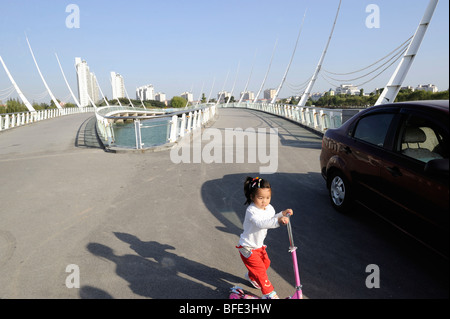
[[222, 95], [188, 96], [117, 85], [87, 83], [269, 93], [248, 95], [160, 96], [145, 93], [427, 87], [348, 89]]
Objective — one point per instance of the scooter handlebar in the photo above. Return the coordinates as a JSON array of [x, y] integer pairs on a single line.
[[289, 229]]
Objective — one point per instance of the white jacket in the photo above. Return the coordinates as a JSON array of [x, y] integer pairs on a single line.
[[256, 223]]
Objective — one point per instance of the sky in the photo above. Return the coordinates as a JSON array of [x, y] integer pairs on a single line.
[[204, 46]]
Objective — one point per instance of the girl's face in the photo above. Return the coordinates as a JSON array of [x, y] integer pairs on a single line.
[[262, 197]]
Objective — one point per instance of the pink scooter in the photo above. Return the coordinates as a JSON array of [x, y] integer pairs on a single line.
[[238, 293]]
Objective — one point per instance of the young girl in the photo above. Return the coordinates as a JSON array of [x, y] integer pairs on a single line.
[[259, 217]]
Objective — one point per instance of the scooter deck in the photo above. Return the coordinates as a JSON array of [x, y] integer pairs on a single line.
[[237, 292]]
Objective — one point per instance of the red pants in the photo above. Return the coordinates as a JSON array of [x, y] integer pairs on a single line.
[[257, 264]]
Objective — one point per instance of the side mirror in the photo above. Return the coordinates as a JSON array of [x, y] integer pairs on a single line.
[[437, 167]]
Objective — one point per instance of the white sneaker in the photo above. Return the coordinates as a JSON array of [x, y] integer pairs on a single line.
[[253, 282], [272, 295]]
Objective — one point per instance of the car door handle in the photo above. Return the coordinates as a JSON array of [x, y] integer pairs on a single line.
[[395, 171], [347, 150]]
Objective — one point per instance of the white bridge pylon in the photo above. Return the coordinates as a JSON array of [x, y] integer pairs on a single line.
[[393, 87], [67, 83], [43, 80], [19, 92], [307, 92]]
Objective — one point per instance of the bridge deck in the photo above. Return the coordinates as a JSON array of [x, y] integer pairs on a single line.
[[140, 226]]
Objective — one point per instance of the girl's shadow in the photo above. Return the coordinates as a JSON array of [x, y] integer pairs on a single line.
[[156, 272]]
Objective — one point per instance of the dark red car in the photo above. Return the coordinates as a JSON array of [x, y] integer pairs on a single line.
[[394, 160]]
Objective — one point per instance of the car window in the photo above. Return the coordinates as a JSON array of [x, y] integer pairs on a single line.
[[373, 128], [422, 140]]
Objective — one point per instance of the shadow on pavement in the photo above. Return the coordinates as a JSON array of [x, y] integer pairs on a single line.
[[87, 135], [155, 271]]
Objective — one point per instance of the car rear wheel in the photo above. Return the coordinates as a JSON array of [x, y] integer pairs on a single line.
[[340, 192]]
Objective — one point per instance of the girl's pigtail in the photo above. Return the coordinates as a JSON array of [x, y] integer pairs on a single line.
[[248, 190]]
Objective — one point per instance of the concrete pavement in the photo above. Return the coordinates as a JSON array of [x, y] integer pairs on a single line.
[[141, 226]]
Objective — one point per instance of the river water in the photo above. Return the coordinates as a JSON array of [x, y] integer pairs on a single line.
[[154, 132]]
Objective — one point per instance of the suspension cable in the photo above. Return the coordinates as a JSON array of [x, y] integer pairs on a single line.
[[7, 94], [376, 69], [367, 67], [8, 89], [299, 85], [39, 96], [326, 78]]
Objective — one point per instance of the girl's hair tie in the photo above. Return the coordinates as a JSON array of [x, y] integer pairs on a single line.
[[256, 180]]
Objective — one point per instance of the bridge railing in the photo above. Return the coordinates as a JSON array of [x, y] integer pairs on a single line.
[[172, 124], [318, 119], [11, 120]]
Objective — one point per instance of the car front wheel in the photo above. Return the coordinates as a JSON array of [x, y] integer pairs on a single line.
[[340, 192]]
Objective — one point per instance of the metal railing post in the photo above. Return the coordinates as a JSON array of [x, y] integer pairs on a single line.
[[173, 129], [137, 131]]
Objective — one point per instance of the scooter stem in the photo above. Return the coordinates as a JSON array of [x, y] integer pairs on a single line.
[[293, 251], [298, 286]]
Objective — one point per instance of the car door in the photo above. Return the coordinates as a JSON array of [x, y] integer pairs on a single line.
[[366, 150], [420, 199]]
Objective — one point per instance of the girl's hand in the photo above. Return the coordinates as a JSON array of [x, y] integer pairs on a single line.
[[283, 220], [288, 212]]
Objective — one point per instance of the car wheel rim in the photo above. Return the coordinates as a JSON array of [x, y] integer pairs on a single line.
[[337, 191]]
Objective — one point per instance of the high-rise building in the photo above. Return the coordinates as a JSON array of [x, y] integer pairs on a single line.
[[160, 96], [87, 83], [188, 96], [93, 89], [222, 95], [118, 86], [145, 93], [249, 95], [269, 94]]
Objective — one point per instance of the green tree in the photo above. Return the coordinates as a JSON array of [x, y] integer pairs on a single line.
[[154, 103], [41, 106], [178, 101], [13, 106], [203, 100], [53, 105], [232, 100]]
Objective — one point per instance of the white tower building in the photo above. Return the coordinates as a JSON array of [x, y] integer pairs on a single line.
[[118, 86], [87, 83], [188, 96], [145, 93]]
